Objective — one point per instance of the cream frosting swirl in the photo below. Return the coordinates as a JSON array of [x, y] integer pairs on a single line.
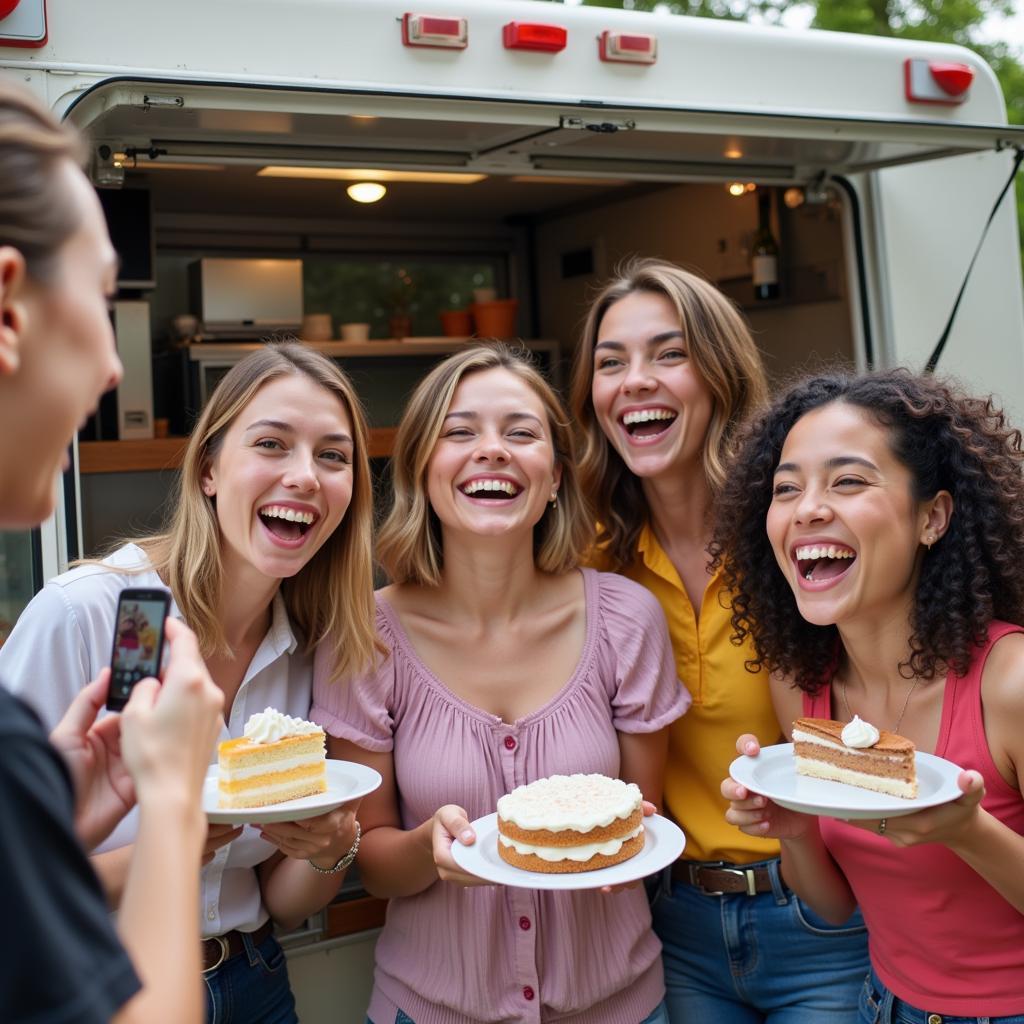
[[270, 725], [859, 734]]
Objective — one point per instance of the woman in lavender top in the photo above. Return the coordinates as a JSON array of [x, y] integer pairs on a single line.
[[505, 664]]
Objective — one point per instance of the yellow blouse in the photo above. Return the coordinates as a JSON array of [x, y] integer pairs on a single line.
[[727, 701]]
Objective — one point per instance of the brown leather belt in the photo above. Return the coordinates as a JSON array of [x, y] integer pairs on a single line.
[[722, 879], [221, 948]]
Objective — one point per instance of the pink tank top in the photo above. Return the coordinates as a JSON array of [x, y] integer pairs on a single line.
[[940, 937]]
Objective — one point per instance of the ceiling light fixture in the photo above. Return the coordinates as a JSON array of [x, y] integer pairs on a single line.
[[366, 191], [370, 174]]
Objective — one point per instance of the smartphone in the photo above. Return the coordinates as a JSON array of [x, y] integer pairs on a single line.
[[138, 641]]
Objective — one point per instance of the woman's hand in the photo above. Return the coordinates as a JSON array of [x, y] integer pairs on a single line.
[[451, 822], [757, 815], [323, 840], [104, 792], [218, 836], [947, 824]]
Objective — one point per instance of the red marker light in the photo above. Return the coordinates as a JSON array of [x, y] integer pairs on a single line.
[[627, 48], [521, 35], [430, 30], [937, 81]]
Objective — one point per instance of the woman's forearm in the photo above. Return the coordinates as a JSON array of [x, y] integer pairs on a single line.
[[112, 868], [159, 916], [397, 862], [810, 871], [294, 890]]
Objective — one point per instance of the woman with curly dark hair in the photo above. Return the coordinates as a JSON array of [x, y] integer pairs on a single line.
[[888, 584], [665, 372]]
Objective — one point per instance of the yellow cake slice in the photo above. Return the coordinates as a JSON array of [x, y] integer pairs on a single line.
[[278, 758]]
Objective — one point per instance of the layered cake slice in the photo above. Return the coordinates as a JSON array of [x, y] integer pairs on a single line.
[[570, 823], [857, 754], [277, 758]]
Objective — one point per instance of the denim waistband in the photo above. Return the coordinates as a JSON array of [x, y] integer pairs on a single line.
[[884, 1007]]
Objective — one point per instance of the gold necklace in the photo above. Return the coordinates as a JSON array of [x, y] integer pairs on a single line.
[[896, 727]]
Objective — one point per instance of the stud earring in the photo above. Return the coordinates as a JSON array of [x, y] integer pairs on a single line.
[[929, 540], [553, 500]]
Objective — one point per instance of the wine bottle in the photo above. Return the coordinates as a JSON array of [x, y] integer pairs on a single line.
[[764, 251]]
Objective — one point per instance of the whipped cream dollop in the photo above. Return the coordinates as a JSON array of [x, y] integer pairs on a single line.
[[270, 725], [859, 734]]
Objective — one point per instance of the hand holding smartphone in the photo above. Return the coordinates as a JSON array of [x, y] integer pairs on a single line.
[[138, 641]]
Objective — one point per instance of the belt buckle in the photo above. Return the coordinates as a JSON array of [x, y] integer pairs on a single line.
[[745, 873], [224, 948]]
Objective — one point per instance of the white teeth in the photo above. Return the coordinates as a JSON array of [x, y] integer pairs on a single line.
[[646, 415], [823, 551], [503, 486], [290, 514]]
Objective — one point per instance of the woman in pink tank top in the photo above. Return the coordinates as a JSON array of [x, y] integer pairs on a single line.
[[885, 585]]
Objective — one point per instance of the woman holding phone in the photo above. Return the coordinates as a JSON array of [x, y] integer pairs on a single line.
[[63, 960], [665, 372], [505, 664], [267, 556]]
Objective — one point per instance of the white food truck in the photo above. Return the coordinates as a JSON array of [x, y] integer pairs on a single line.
[[533, 146]]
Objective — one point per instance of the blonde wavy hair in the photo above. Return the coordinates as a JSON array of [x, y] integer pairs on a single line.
[[409, 546], [721, 349], [331, 598]]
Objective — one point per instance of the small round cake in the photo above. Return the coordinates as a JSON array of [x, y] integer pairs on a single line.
[[570, 823]]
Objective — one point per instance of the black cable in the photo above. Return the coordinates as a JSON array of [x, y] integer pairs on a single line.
[[933, 359]]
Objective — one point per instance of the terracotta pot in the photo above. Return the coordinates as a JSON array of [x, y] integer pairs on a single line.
[[400, 326], [495, 319], [456, 323]]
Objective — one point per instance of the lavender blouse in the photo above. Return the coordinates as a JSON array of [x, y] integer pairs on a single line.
[[454, 955]]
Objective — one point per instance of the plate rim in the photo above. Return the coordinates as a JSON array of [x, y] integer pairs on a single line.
[[487, 823], [777, 751], [274, 813]]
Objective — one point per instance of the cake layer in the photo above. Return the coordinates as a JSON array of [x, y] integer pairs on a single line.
[[572, 837], [532, 862], [577, 802], [887, 766], [307, 771], [274, 792], [579, 852], [815, 769], [827, 730], [243, 753]]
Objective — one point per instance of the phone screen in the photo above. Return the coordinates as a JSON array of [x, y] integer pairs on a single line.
[[138, 642]]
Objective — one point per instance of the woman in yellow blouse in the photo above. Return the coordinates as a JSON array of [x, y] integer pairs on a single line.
[[665, 372]]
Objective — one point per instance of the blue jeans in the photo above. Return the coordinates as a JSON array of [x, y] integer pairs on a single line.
[[658, 1016], [879, 1006], [251, 988], [739, 959]]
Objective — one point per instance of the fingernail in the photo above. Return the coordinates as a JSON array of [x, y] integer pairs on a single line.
[[466, 835]]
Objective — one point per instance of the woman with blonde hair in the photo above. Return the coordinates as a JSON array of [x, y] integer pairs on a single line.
[[665, 372], [505, 664], [64, 960], [267, 557]]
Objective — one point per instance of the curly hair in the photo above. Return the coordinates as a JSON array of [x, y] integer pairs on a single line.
[[974, 574]]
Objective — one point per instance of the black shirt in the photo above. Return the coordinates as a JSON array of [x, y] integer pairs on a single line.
[[62, 961]]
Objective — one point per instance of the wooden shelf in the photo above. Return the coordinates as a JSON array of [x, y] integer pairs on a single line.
[[166, 453], [348, 917]]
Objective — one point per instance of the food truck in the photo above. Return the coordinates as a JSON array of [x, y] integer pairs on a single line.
[[523, 149]]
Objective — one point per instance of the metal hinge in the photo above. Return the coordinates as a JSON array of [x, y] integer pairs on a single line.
[[601, 127]]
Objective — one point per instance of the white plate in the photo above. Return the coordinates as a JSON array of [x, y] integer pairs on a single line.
[[346, 781], [664, 842], [772, 773]]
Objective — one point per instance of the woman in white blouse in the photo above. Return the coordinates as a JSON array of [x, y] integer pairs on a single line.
[[267, 555]]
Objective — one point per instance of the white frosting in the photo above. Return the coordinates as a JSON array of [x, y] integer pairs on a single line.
[[859, 734], [799, 736], [285, 765], [833, 773], [574, 853], [577, 802], [270, 725]]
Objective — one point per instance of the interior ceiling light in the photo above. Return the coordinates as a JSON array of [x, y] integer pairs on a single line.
[[366, 191], [371, 174]]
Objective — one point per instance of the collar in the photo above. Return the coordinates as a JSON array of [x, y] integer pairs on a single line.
[[653, 556]]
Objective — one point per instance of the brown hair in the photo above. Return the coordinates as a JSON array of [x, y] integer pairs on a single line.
[[331, 597], [409, 544], [37, 216], [722, 351]]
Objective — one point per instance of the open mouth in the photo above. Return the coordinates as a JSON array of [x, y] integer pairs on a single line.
[[820, 562], [491, 489], [646, 423], [289, 524]]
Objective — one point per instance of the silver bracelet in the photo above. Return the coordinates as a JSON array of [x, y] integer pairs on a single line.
[[345, 859]]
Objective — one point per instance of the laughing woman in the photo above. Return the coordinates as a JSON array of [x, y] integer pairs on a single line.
[[506, 664], [665, 373], [889, 584], [267, 557]]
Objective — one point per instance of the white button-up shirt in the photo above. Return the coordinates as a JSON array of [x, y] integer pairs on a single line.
[[65, 637]]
